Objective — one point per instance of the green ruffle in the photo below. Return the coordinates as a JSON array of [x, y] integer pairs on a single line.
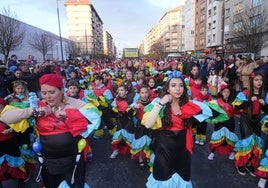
[[149, 108], [222, 114]]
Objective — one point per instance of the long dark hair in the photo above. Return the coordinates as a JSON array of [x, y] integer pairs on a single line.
[[167, 120], [250, 90]]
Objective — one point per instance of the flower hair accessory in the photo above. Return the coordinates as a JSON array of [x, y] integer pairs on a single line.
[[175, 74], [252, 75]]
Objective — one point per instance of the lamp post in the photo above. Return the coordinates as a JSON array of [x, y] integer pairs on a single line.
[[182, 27], [86, 40], [222, 25], [60, 32]]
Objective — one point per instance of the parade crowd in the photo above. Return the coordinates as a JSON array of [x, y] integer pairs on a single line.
[[156, 111]]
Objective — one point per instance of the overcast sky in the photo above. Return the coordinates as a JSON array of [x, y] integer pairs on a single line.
[[127, 21]]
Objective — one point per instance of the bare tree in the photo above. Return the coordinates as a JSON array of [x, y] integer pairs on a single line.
[[250, 29], [41, 42], [12, 33], [73, 50], [157, 47]]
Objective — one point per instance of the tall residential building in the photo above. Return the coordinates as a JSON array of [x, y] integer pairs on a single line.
[[200, 26], [172, 30], [215, 25], [167, 35], [188, 28], [108, 45], [84, 26]]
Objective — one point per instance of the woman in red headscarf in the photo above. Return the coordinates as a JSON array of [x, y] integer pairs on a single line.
[[62, 123]]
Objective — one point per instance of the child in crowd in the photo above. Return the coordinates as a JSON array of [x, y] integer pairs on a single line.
[[23, 130], [105, 98], [195, 86], [213, 82], [74, 90], [223, 137], [201, 128], [249, 147], [153, 90], [108, 81], [122, 138], [20, 92], [141, 141], [20, 98]]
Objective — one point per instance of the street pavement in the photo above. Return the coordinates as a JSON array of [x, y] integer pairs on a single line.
[[123, 172]]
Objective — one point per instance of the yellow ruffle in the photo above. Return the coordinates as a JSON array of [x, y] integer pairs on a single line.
[[19, 126], [157, 124]]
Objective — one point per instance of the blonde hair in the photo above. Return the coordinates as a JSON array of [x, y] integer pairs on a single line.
[[23, 84]]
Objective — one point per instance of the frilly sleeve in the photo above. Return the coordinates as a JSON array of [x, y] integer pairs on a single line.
[[91, 97], [264, 123], [93, 115], [21, 125], [108, 96], [240, 98], [205, 113], [221, 114], [148, 109], [189, 110]]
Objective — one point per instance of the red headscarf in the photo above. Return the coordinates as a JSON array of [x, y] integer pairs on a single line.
[[52, 80]]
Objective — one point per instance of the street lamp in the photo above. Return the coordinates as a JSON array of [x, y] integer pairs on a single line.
[[182, 27], [222, 25], [60, 32], [86, 40]]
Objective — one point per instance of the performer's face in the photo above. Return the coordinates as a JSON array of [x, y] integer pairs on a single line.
[[53, 96]]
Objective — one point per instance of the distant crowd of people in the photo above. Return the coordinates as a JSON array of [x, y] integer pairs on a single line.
[[156, 110]]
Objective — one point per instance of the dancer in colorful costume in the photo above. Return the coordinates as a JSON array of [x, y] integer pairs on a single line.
[[172, 114], [140, 147], [61, 123], [249, 147], [223, 137]]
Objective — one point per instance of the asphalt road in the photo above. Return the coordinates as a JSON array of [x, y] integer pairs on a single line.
[[123, 172]]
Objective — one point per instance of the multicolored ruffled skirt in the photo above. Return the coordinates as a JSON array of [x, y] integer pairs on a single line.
[[247, 149], [223, 141], [262, 170]]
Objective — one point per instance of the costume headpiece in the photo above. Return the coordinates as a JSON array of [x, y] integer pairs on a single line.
[[175, 74], [52, 80]]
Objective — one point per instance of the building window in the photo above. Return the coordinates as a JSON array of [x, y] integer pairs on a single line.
[[255, 21], [256, 3], [238, 26], [227, 12], [214, 10]]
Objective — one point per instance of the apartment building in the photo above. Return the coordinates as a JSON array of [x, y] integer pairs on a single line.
[[167, 35], [188, 28], [108, 44], [215, 26], [200, 26], [85, 26]]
